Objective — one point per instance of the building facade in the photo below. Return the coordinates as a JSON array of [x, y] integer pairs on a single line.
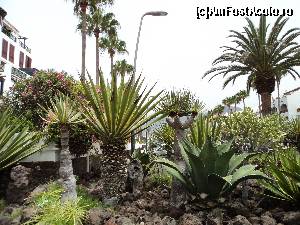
[[15, 55], [289, 104]]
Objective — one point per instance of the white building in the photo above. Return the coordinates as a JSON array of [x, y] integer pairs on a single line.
[[289, 103], [15, 56]]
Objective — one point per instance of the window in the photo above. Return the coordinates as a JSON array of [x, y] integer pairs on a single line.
[[28, 62], [4, 48], [11, 53], [21, 60]]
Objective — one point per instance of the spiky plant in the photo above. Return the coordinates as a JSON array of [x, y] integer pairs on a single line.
[[120, 109], [63, 111], [16, 143], [261, 55]]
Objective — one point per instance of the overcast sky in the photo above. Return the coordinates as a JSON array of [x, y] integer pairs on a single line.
[[174, 50]]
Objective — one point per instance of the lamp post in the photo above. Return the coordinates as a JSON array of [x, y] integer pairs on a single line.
[[151, 13]]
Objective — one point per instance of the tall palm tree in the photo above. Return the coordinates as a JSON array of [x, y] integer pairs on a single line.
[[101, 22], [261, 55], [80, 8], [242, 95], [62, 111], [228, 102], [219, 109], [113, 45], [122, 68]]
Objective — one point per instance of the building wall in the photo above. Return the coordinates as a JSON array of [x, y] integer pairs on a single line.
[[293, 103], [11, 71]]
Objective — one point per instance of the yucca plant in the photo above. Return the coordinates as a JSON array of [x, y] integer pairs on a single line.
[[63, 111], [16, 142], [213, 170], [284, 169], [120, 109]]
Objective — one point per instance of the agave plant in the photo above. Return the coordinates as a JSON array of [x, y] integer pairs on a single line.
[[63, 111], [284, 168], [212, 170], [120, 109], [16, 143]]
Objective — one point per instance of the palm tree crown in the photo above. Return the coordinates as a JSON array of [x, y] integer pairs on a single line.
[[261, 55]]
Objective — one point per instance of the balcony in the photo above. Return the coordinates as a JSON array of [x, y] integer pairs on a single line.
[[9, 34], [25, 47], [17, 74]]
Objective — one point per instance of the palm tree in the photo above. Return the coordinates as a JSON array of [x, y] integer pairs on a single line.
[[113, 114], [16, 142], [62, 111], [122, 68], [242, 95], [219, 109], [80, 8], [228, 102], [260, 55], [113, 45], [100, 22]]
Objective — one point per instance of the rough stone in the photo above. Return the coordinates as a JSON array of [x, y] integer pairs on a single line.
[[267, 220], [5, 220], [291, 218], [135, 177], [98, 216], [27, 214], [168, 221], [18, 188], [255, 220], [240, 220], [189, 219]]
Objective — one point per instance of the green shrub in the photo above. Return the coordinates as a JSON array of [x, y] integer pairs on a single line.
[[254, 133], [50, 210], [162, 139], [284, 169], [213, 170], [2, 205]]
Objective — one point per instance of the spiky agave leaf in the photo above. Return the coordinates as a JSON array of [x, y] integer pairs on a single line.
[[16, 145], [120, 109]]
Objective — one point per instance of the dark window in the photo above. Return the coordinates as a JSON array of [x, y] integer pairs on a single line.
[[11, 53], [28, 62], [21, 60], [4, 48]]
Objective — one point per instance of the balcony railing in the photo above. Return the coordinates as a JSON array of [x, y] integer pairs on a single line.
[[17, 74], [25, 47]]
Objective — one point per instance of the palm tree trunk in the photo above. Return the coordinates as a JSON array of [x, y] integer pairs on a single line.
[[278, 96], [96, 32], [244, 103], [235, 107], [114, 163], [266, 103], [66, 175], [259, 109], [83, 6]]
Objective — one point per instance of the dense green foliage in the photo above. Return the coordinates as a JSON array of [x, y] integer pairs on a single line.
[[28, 95], [253, 133], [284, 169], [50, 210], [16, 142], [180, 102], [213, 170]]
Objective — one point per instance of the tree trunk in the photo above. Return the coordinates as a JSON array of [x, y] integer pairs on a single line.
[[96, 32], [111, 64], [235, 107], [66, 175], [259, 109], [83, 6], [266, 103], [278, 96], [244, 103], [178, 192], [114, 163]]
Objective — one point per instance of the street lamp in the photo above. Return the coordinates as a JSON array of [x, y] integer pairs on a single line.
[[151, 13]]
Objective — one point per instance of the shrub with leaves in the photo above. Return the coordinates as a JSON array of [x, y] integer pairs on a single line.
[[211, 171], [27, 95], [180, 102], [253, 133], [284, 169], [50, 210], [162, 140]]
